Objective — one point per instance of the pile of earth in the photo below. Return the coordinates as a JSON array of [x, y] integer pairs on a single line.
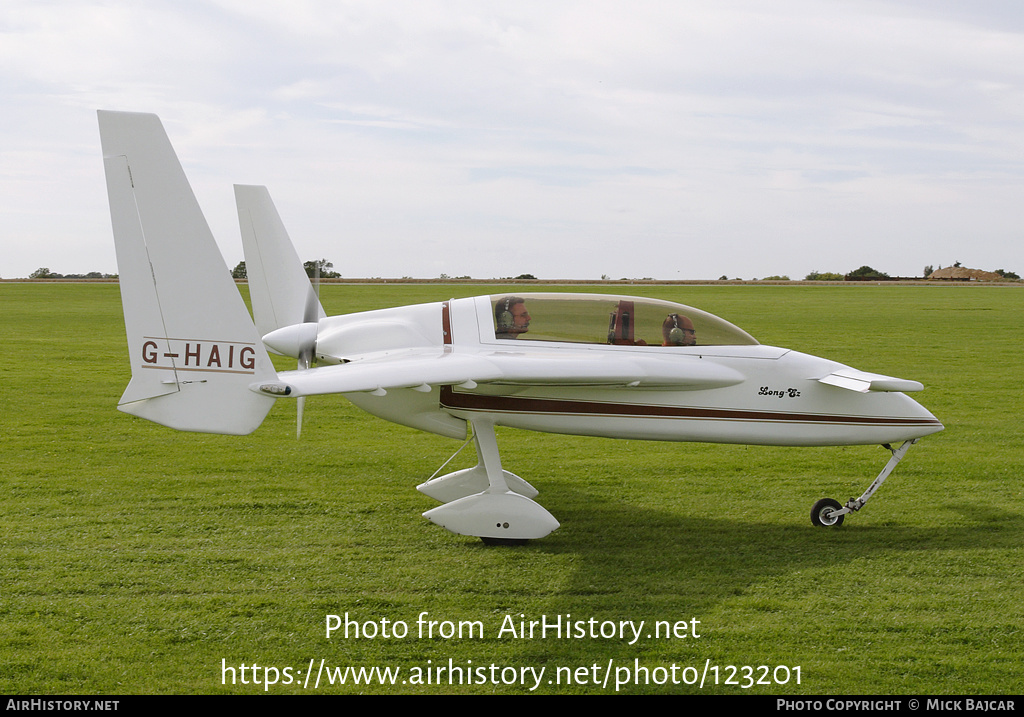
[[962, 273]]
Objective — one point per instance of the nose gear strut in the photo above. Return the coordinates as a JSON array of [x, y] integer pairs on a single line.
[[829, 513]]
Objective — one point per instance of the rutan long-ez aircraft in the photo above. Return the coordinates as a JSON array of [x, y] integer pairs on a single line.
[[581, 364]]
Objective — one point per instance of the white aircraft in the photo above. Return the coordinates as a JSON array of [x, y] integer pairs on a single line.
[[580, 364]]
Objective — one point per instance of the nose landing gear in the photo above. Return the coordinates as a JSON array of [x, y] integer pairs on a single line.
[[828, 513]]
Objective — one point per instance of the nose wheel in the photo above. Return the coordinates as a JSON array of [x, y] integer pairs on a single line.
[[825, 513]]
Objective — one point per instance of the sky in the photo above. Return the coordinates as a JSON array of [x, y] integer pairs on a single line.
[[670, 139]]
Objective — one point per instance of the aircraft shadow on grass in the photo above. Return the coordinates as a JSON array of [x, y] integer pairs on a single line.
[[670, 567]]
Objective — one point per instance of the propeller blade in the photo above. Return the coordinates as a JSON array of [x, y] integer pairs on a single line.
[[307, 354], [305, 361]]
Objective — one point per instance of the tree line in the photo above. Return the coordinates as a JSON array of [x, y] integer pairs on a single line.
[[322, 268]]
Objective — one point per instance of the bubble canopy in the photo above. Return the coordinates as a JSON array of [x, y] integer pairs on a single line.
[[616, 320]]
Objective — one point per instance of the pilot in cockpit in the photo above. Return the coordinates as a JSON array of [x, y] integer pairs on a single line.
[[511, 318], [678, 331]]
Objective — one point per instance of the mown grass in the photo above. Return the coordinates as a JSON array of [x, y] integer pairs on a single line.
[[134, 559]]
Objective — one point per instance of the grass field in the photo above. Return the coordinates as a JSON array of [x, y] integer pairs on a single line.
[[135, 559]]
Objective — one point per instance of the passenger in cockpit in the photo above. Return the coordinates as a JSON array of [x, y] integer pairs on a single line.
[[511, 318], [678, 331]]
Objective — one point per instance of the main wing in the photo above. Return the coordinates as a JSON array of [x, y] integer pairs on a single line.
[[422, 368]]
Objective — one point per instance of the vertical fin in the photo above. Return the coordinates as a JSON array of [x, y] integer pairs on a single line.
[[193, 348], [280, 290], [278, 286]]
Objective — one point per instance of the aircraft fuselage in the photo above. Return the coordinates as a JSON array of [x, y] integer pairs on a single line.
[[754, 394]]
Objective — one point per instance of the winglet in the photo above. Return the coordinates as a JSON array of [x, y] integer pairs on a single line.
[[192, 346]]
